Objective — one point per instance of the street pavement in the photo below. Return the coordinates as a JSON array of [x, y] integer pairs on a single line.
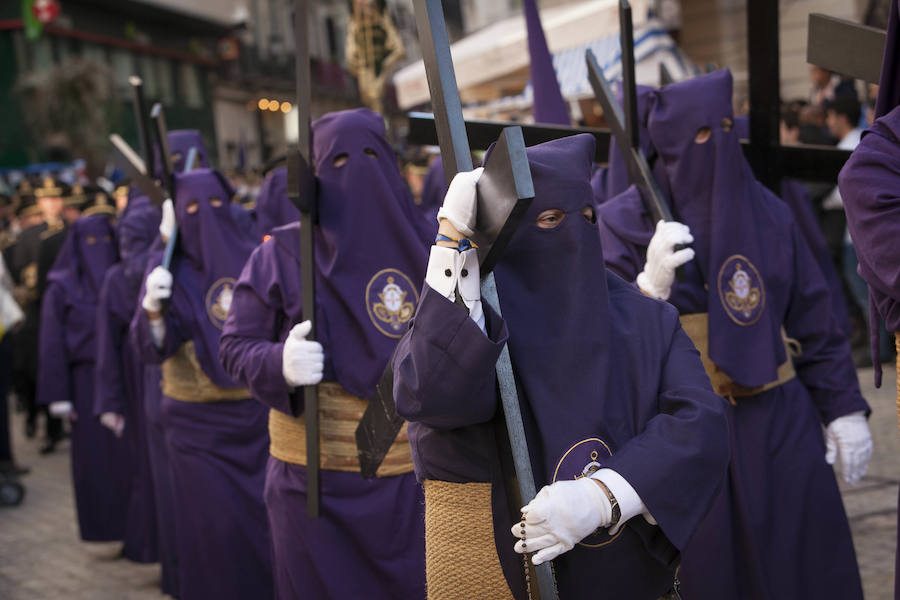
[[41, 557]]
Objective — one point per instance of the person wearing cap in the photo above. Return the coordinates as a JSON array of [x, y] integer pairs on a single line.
[[38, 212]]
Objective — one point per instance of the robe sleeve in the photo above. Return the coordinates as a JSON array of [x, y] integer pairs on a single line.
[[870, 186], [109, 381], [444, 366], [824, 365], [250, 348], [677, 463], [53, 384], [625, 231]]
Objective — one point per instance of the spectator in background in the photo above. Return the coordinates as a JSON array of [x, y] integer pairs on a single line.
[[11, 316], [827, 86]]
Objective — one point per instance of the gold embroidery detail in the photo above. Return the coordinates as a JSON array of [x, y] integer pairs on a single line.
[[218, 300], [744, 297], [393, 311]]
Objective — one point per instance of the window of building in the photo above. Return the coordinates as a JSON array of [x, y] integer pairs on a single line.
[[93, 53], [190, 85], [166, 81], [123, 67], [42, 54]]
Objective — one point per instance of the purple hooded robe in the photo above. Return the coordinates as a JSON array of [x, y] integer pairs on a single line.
[[273, 207], [780, 513], [118, 374], [549, 104], [369, 231], [605, 376], [869, 183], [217, 450], [100, 461]]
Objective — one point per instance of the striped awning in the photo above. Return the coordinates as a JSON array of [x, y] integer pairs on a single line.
[[652, 46]]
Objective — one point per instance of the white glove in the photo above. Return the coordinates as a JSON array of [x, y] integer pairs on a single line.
[[659, 272], [60, 408], [849, 436], [113, 422], [302, 361], [157, 288], [560, 516], [167, 223], [460, 203]]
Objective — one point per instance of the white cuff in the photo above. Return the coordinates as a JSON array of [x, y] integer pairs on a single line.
[[630, 504], [449, 269], [158, 332]]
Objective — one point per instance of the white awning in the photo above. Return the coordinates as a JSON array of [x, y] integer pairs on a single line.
[[502, 48], [652, 46]]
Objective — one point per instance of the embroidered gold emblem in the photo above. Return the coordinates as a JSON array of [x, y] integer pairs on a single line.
[[391, 301], [741, 290], [218, 300]]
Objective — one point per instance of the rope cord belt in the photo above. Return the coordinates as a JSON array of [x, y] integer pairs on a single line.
[[461, 560]]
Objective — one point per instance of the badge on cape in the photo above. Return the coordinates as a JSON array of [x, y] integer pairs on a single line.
[[582, 460], [391, 300], [741, 290], [218, 300]]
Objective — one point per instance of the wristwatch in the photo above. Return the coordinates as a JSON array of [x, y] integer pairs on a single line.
[[616, 512]]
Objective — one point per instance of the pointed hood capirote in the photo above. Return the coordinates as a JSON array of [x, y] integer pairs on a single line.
[[212, 252], [371, 245], [714, 192], [180, 143], [553, 300], [273, 207], [87, 252]]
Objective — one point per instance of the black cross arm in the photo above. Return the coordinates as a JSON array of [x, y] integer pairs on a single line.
[[302, 192], [845, 47], [135, 168], [634, 157]]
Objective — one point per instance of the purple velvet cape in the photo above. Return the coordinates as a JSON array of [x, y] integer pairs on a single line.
[[118, 374], [100, 462], [273, 207], [549, 104], [768, 449], [597, 365], [312, 557]]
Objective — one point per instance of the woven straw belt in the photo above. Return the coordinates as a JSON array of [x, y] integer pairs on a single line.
[[461, 560], [697, 328], [339, 415], [183, 379]]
